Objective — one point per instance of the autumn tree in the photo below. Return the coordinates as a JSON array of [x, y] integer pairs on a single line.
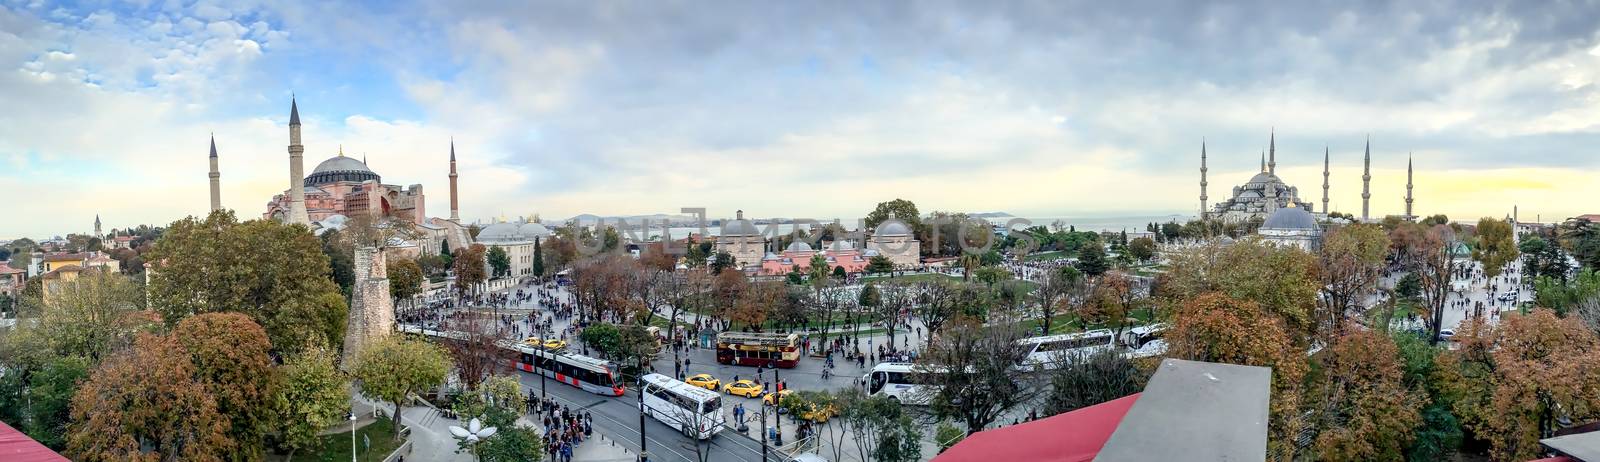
[[1142, 248], [394, 367], [1427, 253], [1112, 303], [1215, 327], [229, 355], [727, 288], [405, 278], [1496, 247], [755, 304], [275, 273], [1350, 262], [1366, 410], [469, 269], [972, 366], [144, 404], [476, 353], [1515, 380], [1281, 280], [312, 396]]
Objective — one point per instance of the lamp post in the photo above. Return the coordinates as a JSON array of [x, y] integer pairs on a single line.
[[644, 454], [474, 433], [352, 434]]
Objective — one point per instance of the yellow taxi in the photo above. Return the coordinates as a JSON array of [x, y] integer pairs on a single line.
[[811, 411], [745, 388], [772, 398], [555, 344], [705, 381]]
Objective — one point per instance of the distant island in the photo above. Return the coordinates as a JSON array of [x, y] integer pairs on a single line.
[[991, 215]]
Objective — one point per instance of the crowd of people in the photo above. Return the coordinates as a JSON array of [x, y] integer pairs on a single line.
[[564, 428]]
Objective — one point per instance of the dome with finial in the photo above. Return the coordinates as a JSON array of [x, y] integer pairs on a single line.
[[1291, 218], [340, 168]]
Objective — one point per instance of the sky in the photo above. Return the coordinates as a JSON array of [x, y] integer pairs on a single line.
[[797, 109]]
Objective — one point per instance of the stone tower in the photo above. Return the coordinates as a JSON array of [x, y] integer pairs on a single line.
[[1272, 152], [371, 309], [97, 225], [1325, 180], [455, 210], [1203, 179], [216, 178], [1366, 181], [297, 177], [1409, 216]]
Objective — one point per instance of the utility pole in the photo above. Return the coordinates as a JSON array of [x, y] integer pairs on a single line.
[[644, 454]]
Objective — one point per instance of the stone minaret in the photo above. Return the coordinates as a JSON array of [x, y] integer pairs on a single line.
[[1272, 152], [297, 177], [1366, 181], [216, 178], [97, 225], [1263, 162], [1408, 187], [455, 209], [1203, 179], [1324, 179]]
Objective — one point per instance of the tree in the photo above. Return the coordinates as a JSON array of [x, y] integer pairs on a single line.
[[1543, 258], [49, 398], [1496, 247], [1427, 253], [1282, 280], [500, 261], [314, 395], [1351, 260], [394, 367], [92, 316], [229, 354], [1142, 248], [839, 273], [723, 261], [899, 209], [405, 278], [1367, 411], [727, 288], [341, 260], [1056, 292], [1086, 381], [538, 259], [1214, 327], [476, 353], [1515, 380], [274, 273], [971, 363], [1092, 260], [881, 428], [147, 397], [469, 267], [880, 264]]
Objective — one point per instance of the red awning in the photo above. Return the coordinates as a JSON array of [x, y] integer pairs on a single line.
[[1071, 437], [17, 447]]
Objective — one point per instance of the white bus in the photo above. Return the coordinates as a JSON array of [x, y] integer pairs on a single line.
[[695, 411], [898, 381], [1048, 351]]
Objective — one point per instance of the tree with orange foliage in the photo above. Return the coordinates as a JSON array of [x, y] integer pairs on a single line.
[[756, 302], [1282, 280], [147, 396], [1214, 327], [727, 288], [1541, 368], [229, 353], [1366, 413]]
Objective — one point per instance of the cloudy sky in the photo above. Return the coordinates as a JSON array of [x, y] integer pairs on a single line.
[[796, 109]]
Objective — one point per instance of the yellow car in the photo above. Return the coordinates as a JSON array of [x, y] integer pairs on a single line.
[[705, 381], [772, 398], [555, 344], [745, 388]]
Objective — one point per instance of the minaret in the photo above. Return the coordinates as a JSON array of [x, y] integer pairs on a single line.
[[1408, 187], [1272, 152], [216, 178], [1366, 181], [1203, 179], [455, 209], [1263, 162], [297, 178], [1324, 180], [97, 225]]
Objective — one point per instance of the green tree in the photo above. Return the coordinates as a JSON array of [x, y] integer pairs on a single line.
[[883, 431], [1496, 247], [500, 261], [229, 354], [1080, 382], [314, 395], [723, 261], [1142, 248], [538, 258], [341, 260], [405, 278], [899, 209], [92, 316], [1092, 260], [394, 367], [274, 273], [1351, 261], [991, 275], [880, 264], [972, 365], [50, 398]]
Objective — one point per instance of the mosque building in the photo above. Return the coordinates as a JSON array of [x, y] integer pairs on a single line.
[[1266, 193]]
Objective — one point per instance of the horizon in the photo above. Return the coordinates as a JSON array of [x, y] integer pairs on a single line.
[[798, 110]]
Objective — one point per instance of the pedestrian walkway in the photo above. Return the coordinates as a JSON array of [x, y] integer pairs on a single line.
[[431, 439]]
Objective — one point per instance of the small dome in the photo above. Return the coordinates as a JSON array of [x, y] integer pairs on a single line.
[[840, 245], [892, 228], [739, 227], [798, 246], [1291, 218], [512, 232]]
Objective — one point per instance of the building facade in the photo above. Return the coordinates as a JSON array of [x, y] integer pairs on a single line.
[[894, 240]]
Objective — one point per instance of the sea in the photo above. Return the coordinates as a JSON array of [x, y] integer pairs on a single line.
[[1081, 223]]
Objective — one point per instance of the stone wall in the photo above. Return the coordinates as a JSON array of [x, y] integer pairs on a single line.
[[371, 308]]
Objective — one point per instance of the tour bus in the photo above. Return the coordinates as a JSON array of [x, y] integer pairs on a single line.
[[694, 411], [593, 375], [758, 349], [899, 382], [1049, 351]]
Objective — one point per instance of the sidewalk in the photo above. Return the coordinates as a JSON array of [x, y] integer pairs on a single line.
[[431, 439]]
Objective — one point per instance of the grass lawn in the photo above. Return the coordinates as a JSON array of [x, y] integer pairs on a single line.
[[919, 277], [336, 448], [1067, 323]]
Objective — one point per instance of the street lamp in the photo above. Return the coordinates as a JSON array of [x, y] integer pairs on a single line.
[[352, 417], [474, 432]]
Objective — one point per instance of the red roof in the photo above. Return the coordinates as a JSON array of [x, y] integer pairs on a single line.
[[17, 447], [1071, 437]]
